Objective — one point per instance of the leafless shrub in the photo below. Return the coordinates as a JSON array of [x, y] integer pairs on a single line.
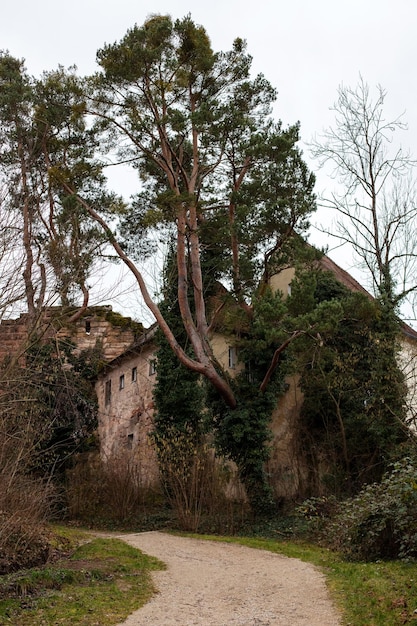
[[196, 482], [125, 490], [107, 490], [25, 500], [84, 487]]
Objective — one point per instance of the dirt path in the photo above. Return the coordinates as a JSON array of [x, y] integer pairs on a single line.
[[209, 583]]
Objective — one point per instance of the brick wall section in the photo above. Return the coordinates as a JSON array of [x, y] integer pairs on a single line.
[[13, 338], [95, 327]]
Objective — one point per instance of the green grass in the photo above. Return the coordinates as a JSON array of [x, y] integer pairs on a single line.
[[367, 594], [101, 584]]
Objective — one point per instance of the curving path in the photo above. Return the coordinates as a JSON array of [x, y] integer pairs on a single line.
[[210, 583]]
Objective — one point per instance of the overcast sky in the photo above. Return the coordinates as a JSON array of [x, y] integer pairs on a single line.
[[305, 48]]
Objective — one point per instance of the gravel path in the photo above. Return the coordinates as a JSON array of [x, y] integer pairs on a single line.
[[210, 583]]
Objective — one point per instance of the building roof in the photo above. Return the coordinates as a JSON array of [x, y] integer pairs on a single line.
[[348, 281], [342, 275]]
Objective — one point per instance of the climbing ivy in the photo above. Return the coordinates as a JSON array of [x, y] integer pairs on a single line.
[[243, 434], [353, 414]]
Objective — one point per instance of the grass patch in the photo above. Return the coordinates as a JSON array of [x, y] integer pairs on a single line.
[[102, 582], [367, 594]]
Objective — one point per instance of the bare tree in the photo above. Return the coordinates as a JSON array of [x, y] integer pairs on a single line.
[[11, 259], [376, 207]]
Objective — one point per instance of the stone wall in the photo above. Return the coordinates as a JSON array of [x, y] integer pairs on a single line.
[[408, 365], [101, 327], [124, 392], [98, 327]]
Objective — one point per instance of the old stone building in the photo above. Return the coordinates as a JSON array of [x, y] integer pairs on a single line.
[[124, 390], [125, 407]]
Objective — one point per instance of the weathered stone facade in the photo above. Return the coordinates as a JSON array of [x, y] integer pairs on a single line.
[[126, 411], [125, 408], [125, 421]]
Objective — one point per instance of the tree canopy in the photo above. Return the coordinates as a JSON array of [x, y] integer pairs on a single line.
[[222, 179]]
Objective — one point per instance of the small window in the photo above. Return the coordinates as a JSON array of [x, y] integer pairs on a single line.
[[87, 327], [107, 393], [232, 357], [130, 441], [134, 374], [249, 373], [152, 367], [122, 382]]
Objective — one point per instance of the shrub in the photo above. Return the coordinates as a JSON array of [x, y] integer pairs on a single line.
[[381, 521], [114, 490], [24, 507], [200, 488], [25, 500]]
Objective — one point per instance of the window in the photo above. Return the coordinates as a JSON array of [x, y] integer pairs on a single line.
[[232, 357], [152, 367], [249, 373], [134, 374], [130, 441], [122, 382], [107, 393], [87, 327]]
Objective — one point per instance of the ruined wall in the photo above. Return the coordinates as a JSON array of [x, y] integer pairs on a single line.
[[98, 326], [125, 401], [13, 338]]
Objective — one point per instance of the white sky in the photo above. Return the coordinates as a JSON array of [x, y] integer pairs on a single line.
[[306, 49]]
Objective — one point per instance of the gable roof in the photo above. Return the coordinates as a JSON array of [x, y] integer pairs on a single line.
[[342, 276], [348, 281]]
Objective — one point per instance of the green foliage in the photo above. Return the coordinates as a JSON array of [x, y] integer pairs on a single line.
[[54, 395], [179, 394], [243, 434], [354, 393], [381, 521], [165, 91], [48, 160]]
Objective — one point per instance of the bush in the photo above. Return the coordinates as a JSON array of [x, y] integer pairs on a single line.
[[24, 507], [114, 490], [196, 484], [381, 521], [25, 500]]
